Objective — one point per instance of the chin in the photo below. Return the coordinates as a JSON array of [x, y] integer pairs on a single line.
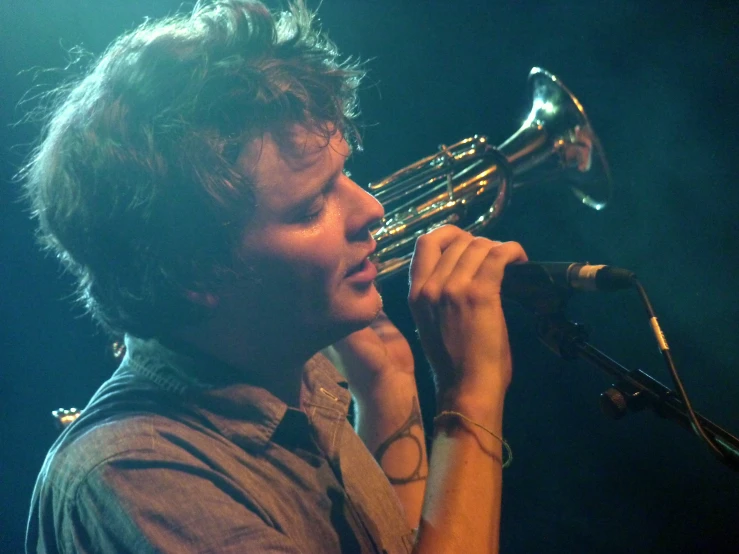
[[362, 312]]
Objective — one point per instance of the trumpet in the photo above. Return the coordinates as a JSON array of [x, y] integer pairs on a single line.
[[470, 183]]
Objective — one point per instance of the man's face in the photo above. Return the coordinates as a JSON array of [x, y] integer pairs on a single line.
[[309, 241]]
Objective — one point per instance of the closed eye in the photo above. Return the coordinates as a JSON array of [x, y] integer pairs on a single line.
[[314, 209]]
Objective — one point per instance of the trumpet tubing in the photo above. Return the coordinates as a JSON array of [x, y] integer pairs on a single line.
[[470, 182]]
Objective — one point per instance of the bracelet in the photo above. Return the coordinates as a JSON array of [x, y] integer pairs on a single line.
[[509, 452]]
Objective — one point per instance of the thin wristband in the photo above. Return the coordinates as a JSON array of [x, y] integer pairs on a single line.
[[448, 413]]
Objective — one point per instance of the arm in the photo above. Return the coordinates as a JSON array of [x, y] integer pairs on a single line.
[[455, 300], [378, 364]]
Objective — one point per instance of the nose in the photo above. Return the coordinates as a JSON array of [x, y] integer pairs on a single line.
[[364, 212]]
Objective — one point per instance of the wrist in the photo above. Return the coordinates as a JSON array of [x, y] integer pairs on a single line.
[[383, 388], [485, 408]]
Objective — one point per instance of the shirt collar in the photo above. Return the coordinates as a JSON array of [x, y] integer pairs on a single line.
[[244, 413]]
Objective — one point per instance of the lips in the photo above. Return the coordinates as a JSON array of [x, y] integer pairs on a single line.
[[364, 270], [357, 268], [363, 273]]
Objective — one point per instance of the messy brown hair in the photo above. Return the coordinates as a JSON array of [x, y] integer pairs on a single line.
[[134, 182]]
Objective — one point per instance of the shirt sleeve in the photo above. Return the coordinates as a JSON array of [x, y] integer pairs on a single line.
[[145, 502]]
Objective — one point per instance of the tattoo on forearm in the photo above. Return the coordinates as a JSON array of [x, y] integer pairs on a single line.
[[405, 433]]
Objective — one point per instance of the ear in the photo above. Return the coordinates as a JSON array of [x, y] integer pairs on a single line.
[[207, 299]]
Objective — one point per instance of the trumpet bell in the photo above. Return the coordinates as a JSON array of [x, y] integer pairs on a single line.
[[557, 130], [470, 183]]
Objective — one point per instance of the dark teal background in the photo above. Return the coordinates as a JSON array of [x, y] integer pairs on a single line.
[[661, 84]]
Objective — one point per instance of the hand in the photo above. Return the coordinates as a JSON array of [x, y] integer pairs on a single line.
[[373, 355], [455, 301]]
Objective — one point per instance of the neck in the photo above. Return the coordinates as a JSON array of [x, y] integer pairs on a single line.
[[271, 360]]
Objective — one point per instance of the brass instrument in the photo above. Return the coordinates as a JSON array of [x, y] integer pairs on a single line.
[[470, 183]]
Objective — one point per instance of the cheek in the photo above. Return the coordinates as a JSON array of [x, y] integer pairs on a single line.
[[321, 271], [306, 272], [313, 257], [299, 266]]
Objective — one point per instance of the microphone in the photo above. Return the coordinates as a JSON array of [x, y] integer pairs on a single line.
[[545, 286]]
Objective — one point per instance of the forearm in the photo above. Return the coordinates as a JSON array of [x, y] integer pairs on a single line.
[[461, 512], [456, 304], [389, 422]]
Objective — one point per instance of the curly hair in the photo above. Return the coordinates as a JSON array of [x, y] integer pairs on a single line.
[[134, 181]]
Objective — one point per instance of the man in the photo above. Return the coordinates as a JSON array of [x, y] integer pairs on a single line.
[[194, 182]]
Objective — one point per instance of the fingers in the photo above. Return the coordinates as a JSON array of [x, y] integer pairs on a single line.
[[429, 248], [449, 262], [498, 257], [469, 272], [468, 268], [455, 301], [449, 257]]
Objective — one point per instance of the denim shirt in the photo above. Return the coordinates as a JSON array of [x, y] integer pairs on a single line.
[[173, 454]]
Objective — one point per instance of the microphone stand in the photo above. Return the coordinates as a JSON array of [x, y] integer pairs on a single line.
[[633, 390]]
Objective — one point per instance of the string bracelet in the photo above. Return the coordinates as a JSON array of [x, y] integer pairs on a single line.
[[448, 413]]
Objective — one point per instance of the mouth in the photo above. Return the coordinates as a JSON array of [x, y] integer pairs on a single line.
[[360, 267], [365, 270]]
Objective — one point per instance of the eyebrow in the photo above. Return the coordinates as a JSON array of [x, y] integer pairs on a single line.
[[301, 159]]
